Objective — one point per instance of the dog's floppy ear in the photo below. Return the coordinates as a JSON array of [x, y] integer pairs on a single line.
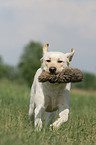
[[70, 55], [45, 48]]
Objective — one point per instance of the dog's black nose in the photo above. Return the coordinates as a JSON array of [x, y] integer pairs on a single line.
[[52, 69]]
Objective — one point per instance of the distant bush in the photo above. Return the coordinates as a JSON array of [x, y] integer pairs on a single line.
[[2, 68], [89, 82], [11, 73]]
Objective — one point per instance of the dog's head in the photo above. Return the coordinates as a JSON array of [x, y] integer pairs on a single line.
[[55, 62]]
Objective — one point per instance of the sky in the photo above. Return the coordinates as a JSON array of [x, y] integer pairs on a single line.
[[64, 24]]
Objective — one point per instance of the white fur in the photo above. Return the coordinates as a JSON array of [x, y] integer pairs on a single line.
[[48, 97]]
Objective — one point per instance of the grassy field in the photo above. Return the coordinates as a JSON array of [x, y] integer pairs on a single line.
[[15, 128]]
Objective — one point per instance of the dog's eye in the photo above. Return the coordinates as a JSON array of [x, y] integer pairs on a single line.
[[48, 60], [60, 61]]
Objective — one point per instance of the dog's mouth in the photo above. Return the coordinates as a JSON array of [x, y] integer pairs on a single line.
[[53, 71]]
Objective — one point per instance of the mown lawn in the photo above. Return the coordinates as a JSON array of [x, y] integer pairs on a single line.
[[15, 128]]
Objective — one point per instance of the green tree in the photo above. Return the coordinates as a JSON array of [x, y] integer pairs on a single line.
[[30, 60]]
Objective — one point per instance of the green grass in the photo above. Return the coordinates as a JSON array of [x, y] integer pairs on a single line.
[[15, 128]]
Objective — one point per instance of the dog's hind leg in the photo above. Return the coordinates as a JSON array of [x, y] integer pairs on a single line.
[[50, 117]]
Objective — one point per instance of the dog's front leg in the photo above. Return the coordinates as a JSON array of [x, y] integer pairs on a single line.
[[63, 114], [39, 111]]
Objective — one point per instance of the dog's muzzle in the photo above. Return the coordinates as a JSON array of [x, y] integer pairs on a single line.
[[52, 70]]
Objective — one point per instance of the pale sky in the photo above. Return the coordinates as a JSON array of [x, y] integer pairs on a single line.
[[64, 24]]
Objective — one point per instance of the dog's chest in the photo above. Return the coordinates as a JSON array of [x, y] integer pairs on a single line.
[[51, 103], [51, 96]]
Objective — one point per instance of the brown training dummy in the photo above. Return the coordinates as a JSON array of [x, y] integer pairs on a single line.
[[66, 76]]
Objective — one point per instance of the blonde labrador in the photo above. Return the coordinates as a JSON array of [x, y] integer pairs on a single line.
[[48, 97]]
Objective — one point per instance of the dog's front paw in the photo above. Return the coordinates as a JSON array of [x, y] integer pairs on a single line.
[[59, 122], [38, 125], [56, 124]]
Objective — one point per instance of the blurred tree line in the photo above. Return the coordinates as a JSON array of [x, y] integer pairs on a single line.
[[89, 82], [28, 64]]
